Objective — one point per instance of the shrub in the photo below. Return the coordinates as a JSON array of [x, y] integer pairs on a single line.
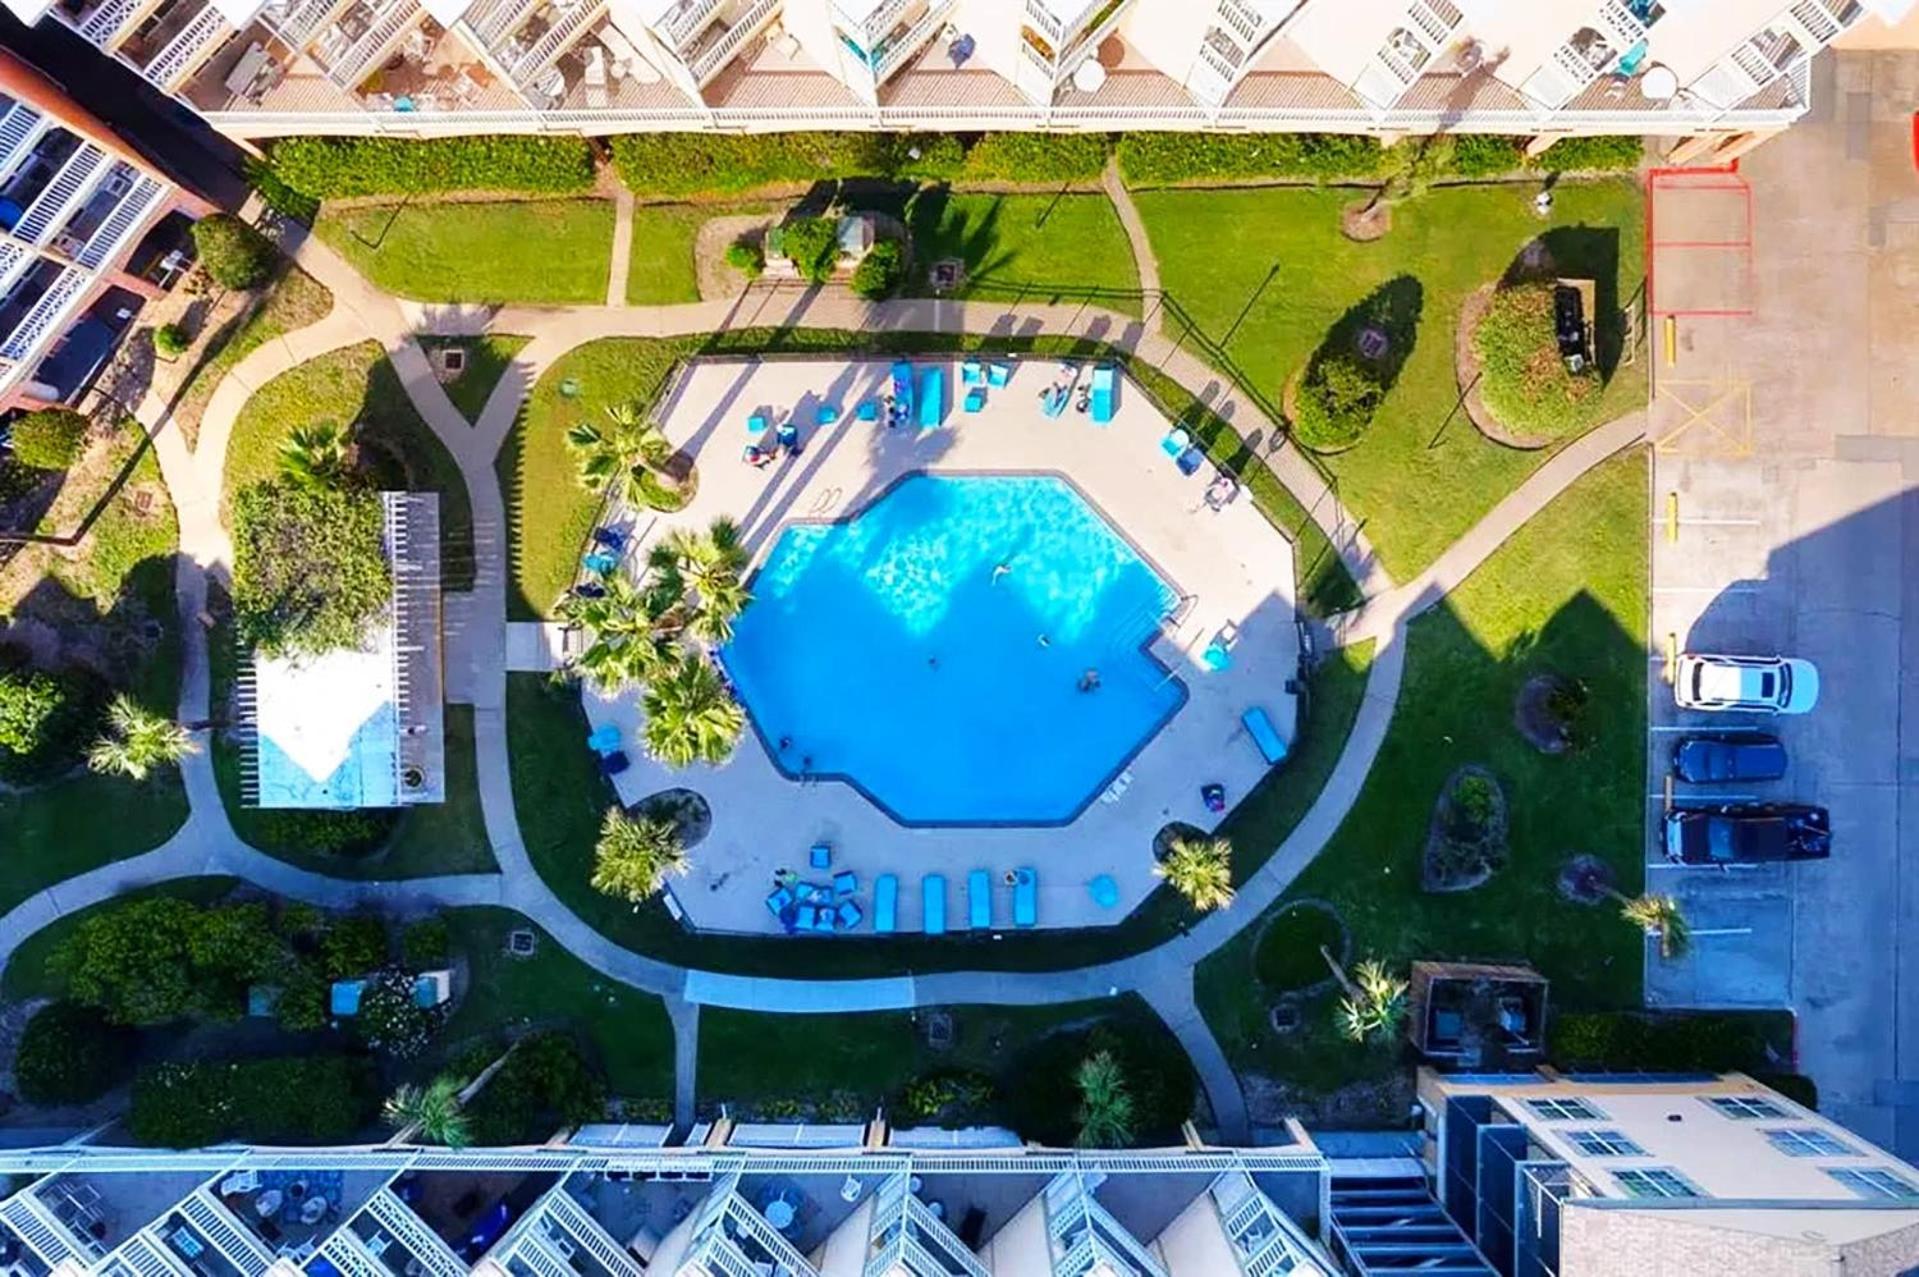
[[1590, 155], [1288, 958], [813, 245], [1568, 703], [353, 945], [747, 257], [309, 567], [426, 943], [50, 439], [1523, 380], [32, 703], [332, 833], [391, 1019], [954, 1098], [234, 254], [1164, 159], [1486, 155], [1337, 399], [1157, 1074], [1688, 1041], [545, 1084], [277, 195], [170, 341], [295, 1100], [677, 164], [879, 273], [71, 1054], [337, 168], [1037, 157], [1474, 801], [150, 961]]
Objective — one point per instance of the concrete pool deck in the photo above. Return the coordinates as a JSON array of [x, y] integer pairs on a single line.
[[1230, 566]]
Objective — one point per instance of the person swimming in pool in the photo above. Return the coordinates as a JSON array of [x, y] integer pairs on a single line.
[[1001, 569], [1045, 641]]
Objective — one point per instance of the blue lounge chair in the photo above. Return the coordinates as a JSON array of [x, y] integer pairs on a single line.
[[886, 899], [1053, 402], [979, 900], [903, 386], [845, 884], [933, 904], [778, 901], [600, 563], [1105, 393], [1260, 728], [611, 538], [1026, 897], [756, 424], [847, 916], [972, 372], [788, 436], [821, 857], [869, 410], [806, 917], [998, 375], [827, 415], [932, 398], [1175, 443], [975, 399], [612, 764]]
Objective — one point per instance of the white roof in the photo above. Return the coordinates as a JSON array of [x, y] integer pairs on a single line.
[[328, 732]]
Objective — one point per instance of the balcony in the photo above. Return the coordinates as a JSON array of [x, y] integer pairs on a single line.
[[493, 20], [363, 38], [295, 21], [722, 43], [104, 225], [21, 128], [530, 55], [898, 49], [869, 24], [104, 23], [241, 71], [175, 39]]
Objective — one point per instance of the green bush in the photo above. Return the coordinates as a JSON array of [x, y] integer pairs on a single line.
[[880, 271], [234, 254], [1166, 159], [678, 164], [32, 703], [1157, 1074], [295, 1100], [50, 439], [813, 245], [170, 341], [952, 1099], [1486, 155], [1590, 155], [545, 1084], [277, 195], [309, 567], [426, 943], [339, 168], [747, 257], [1523, 380], [331, 833], [1675, 1042], [1037, 157], [71, 1054], [1336, 401], [153, 960], [391, 1018], [353, 945]]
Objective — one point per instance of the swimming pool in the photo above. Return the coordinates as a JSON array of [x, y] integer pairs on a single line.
[[968, 649]]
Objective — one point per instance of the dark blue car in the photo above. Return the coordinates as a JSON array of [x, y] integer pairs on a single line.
[[1728, 756]]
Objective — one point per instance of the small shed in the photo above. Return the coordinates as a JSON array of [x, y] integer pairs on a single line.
[[1478, 1016]]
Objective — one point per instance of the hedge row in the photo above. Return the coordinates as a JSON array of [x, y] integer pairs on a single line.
[[1169, 159], [336, 167], [320, 1099], [684, 164]]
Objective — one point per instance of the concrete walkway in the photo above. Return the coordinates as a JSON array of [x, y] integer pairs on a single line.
[[476, 632], [1134, 225], [622, 262]]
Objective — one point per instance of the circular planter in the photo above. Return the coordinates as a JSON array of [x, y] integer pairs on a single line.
[[1466, 370], [1361, 226], [1533, 715], [1442, 840], [1286, 957], [1585, 880], [689, 811]]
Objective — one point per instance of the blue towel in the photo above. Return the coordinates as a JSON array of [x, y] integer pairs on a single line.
[[1026, 897], [886, 894], [979, 900], [1264, 735]]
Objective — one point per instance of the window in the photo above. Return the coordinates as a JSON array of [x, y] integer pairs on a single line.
[[1743, 1108], [1656, 1181], [1876, 1182], [1807, 1141], [1604, 1144], [1569, 1110]]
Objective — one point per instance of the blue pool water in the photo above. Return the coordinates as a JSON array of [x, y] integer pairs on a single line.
[[891, 652]]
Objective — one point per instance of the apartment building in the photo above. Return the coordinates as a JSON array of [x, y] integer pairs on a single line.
[[1721, 73], [1635, 1174], [76, 205]]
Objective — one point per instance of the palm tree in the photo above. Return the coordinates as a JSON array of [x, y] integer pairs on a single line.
[[695, 580], [137, 740], [1374, 1001], [1657, 915], [432, 1111], [623, 453], [1200, 870], [636, 855], [315, 455], [625, 643], [690, 715], [1105, 1103]]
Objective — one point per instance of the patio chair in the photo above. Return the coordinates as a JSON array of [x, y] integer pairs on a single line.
[[789, 439], [1175, 443], [845, 883], [975, 399], [972, 373], [806, 918], [778, 901], [997, 375], [600, 563], [825, 919], [827, 415], [603, 739], [1026, 897], [1105, 392], [821, 856], [933, 904], [886, 895], [614, 763], [847, 916], [612, 538], [932, 398], [756, 424], [1271, 746], [869, 410], [979, 900]]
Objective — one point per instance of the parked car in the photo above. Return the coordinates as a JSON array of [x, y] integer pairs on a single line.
[[1747, 834], [1728, 756], [1765, 684]]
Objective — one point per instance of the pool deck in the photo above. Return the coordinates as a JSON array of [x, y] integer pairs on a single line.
[[1230, 566]]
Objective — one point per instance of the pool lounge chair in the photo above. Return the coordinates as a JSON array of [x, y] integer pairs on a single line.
[[998, 375], [933, 904], [979, 900], [1105, 393], [827, 415], [845, 883], [886, 899], [1026, 897], [600, 563], [972, 373], [975, 399], [932, 398], [1054, 400], [847, 916], [603, 739], [1261, 729], [869, 410], [903, 386]]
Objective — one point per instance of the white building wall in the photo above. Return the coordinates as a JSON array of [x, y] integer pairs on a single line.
[[1194, 1244], [843, 1254], [1019, 1249]]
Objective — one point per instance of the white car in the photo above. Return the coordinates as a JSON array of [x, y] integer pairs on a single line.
[[1762, 684]]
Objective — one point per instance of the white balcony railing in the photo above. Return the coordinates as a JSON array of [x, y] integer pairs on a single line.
[[585, 1230], [204, 33], [493, 20], [112, 235], [304, 19], [687, 19], [900, 51], [709, 64], [1241, 21], [435, 1257], [20, 128], [72, 184], [374, 43], [555, 40], [46, 315], [101, 27], [873, 27]]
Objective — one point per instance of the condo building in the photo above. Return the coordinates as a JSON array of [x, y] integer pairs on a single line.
[[82, 246], [1718, 74]]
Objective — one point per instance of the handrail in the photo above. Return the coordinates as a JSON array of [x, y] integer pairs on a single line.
[[913, 41], [182, 52], [685, 22], [722, 52], [554, 40], [105, 22]]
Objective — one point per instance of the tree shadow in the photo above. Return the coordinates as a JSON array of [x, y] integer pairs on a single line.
[[1380, 329], [1580, 252]]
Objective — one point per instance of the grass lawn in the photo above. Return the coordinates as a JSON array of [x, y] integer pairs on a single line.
[[555, 251], [1266, 273], [840, 1067], [358, 387], [1568, 595], [112, 596], [1027, 242], [27, 976], [294, 300], [627, 1030], [487, 358]]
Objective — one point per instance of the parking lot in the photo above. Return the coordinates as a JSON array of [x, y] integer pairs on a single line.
[[1785, 426]]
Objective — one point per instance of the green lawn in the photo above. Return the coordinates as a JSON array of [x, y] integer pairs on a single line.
[[1265, 273], [554, 251], [1567, 595], [665, 240], [358, 387], [27, 976], [487, 359], [1072, 243], [294, 300], [627, 1030]]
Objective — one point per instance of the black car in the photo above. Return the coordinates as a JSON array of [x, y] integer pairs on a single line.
[[1747, 834], [1728, 756]]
